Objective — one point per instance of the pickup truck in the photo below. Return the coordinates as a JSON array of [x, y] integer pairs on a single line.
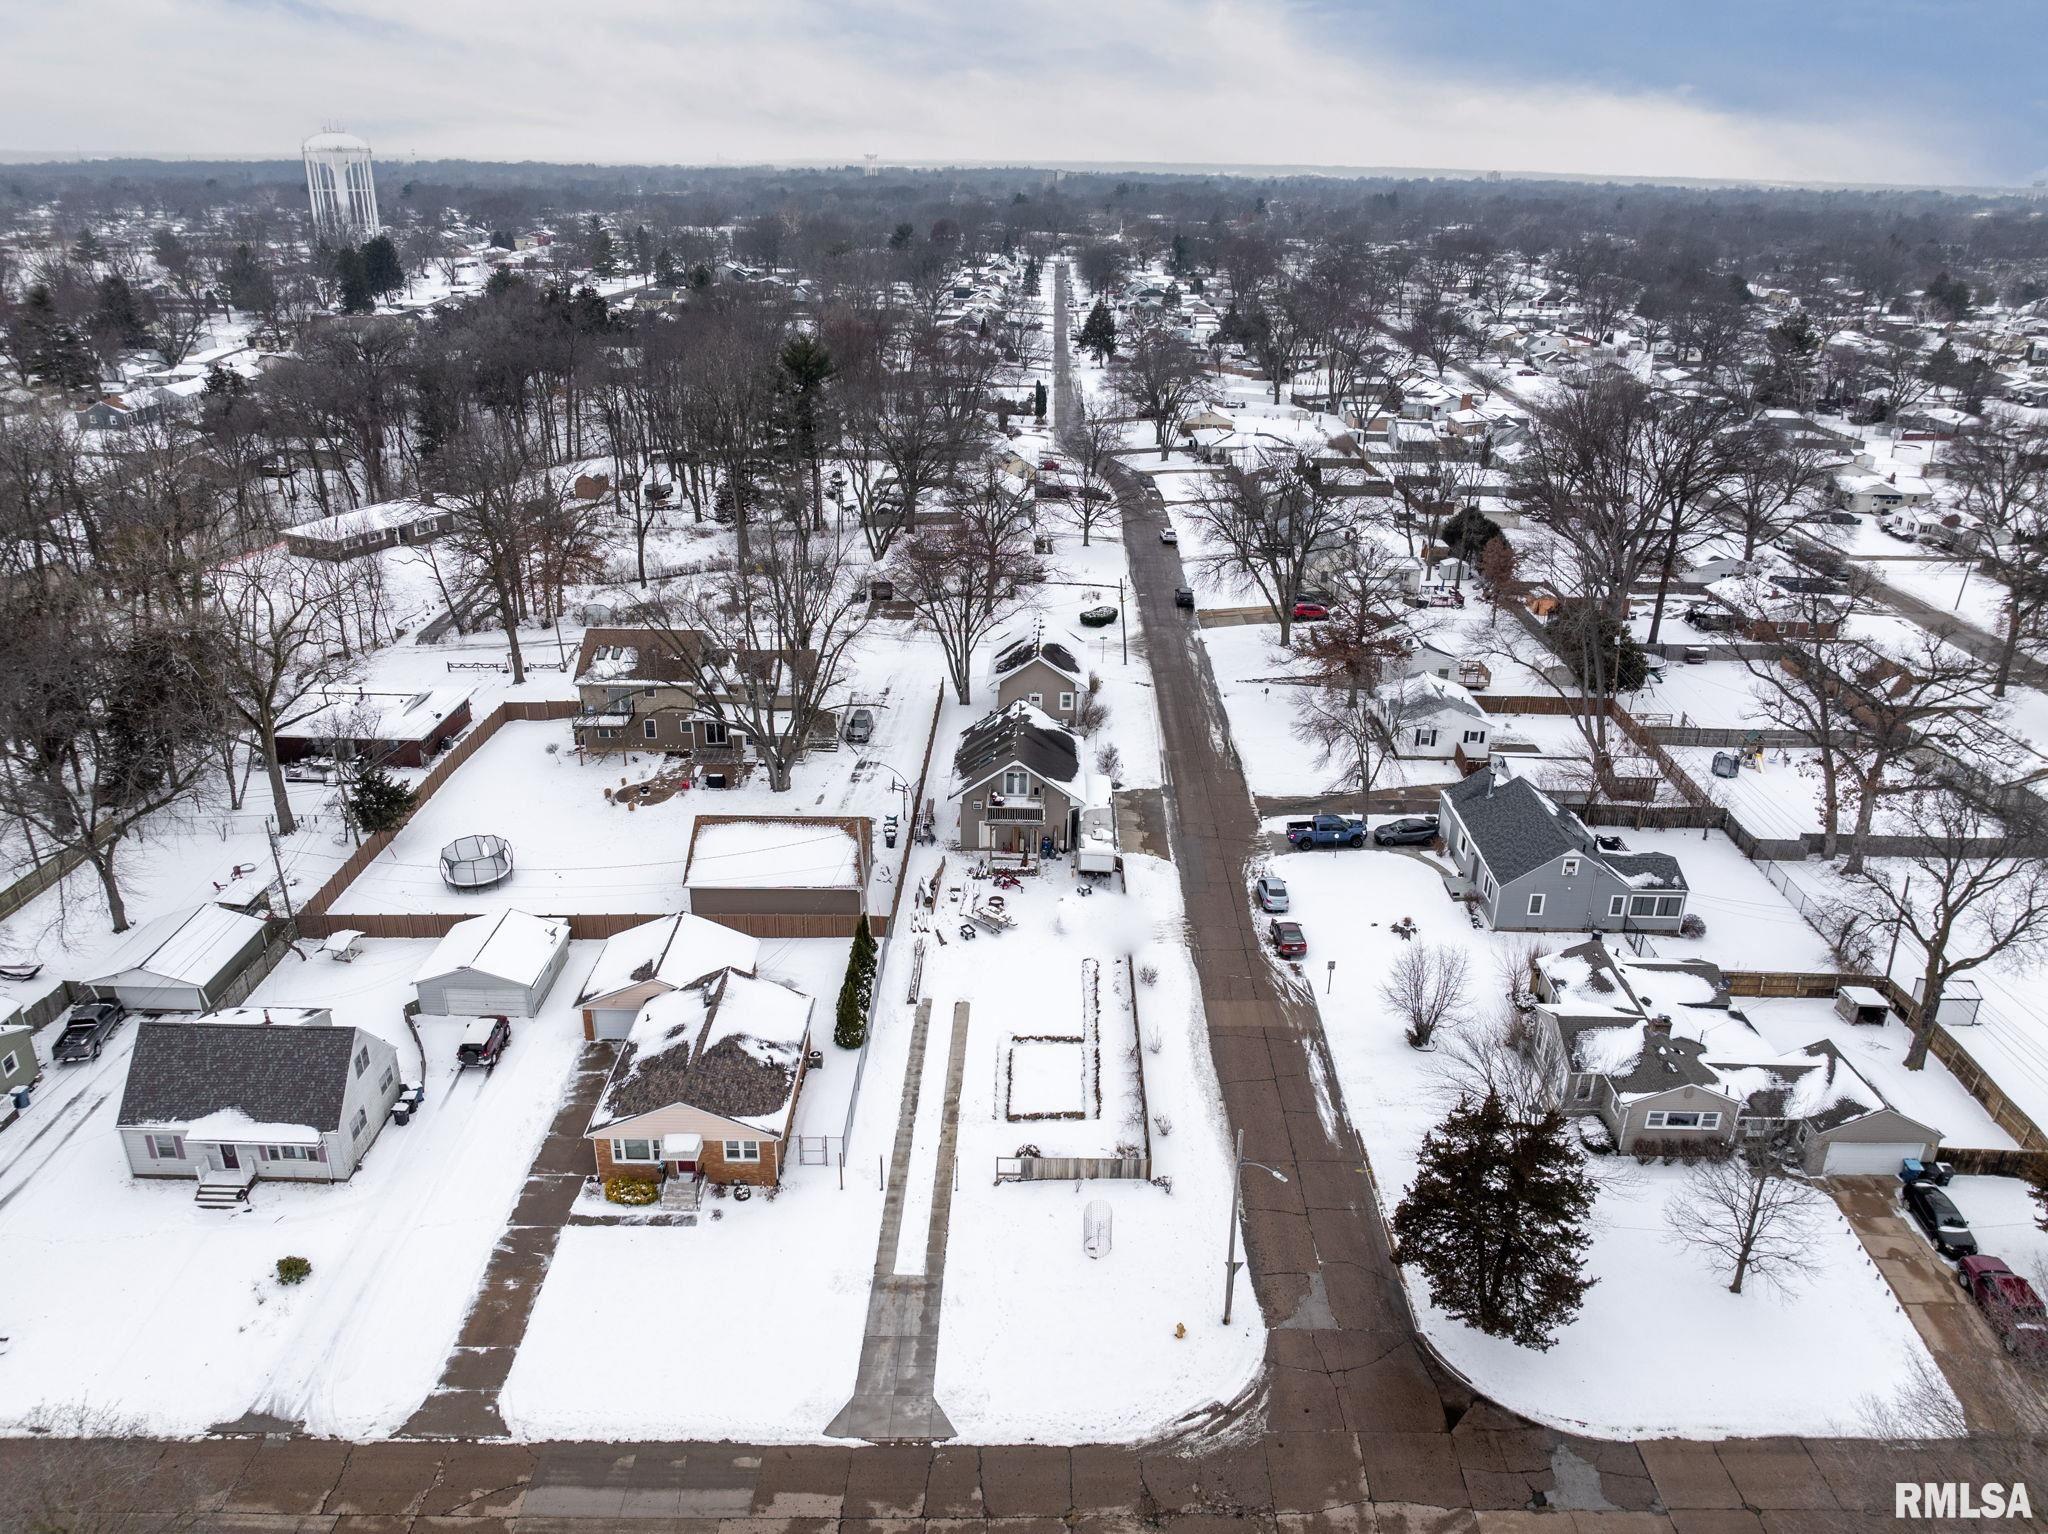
[[1326, 831], [85, 1035]]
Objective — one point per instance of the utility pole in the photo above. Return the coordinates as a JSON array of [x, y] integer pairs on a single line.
[[1230, 1260], [1898, 921], [1123, 622]]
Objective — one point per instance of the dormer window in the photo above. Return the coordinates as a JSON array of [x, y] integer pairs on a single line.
[[1571, 866], [1016, 784]]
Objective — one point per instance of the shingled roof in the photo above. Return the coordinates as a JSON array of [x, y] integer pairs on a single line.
[[1020, 736], [179, 1072], [729, 1046], [1516, 826]]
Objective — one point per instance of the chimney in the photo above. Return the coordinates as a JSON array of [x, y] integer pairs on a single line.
[[1659, 1026]]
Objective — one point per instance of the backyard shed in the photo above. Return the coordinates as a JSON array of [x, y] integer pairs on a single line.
[[180, 962], [498, 965], [780, 875], [1860, 1004]]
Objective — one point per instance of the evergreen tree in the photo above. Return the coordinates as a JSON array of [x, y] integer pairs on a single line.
[[1180, 261], [118, 315], [666, 272], [1098, 332], [643, 250], [54, 350], [850, 1023], [501, 239], [373, 799], [1468, 533], [89, 250], [1602, 654], [901, 236], [382, 271], [1496, 1221], [604, 256], [1038, 399], [248, 282], [352, 274]]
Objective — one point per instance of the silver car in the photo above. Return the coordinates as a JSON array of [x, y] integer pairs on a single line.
[[1271, 894], [860, 726]]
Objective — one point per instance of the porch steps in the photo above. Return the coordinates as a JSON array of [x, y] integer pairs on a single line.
[[681, 1193], [221, 1195]]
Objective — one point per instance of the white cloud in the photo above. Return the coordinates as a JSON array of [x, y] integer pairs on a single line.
[[1227, 81]]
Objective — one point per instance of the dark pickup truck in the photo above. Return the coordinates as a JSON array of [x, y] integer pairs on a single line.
[[92, 1024], [1326, 831]]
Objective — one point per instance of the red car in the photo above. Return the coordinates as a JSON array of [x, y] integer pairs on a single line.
[[1304, 608], [2009, 1304], [1288, 939]]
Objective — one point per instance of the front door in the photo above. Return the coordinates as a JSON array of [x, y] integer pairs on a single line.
[[685, 1168], [230, 1159]]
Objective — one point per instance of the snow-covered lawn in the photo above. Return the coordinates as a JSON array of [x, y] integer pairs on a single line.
[[1660, 1347], [1720, 694], [123, 1296], [2006, 1220]]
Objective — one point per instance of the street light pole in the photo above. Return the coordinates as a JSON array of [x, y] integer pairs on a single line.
[[1230, 1262]]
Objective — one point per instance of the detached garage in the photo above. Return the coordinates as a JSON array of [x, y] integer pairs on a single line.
[[182, 961], [490, 966], [671, 953]]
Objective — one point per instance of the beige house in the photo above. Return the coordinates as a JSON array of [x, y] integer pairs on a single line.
[[672, 953], [1018, 778], [638, 690], [1040, 667], [707, 1084]]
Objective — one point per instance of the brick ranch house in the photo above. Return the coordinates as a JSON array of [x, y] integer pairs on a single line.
[[706, 1085]]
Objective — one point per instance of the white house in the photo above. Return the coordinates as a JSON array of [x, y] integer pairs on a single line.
[[502, 964], [1434, 718], [180, 962], [260, 1092]]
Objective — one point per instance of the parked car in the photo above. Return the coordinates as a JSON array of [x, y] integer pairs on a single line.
[[1184, 596], [1287, 939], [484, 1041], [1412, 831], [1271, 894], [1305, 609], [1326, 831], [2009, 1303], [92, 1024], [860, 726], [1098, 617], [1168, 535], [1936, 1214]]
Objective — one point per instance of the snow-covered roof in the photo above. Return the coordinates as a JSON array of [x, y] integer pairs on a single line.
[[676, 950], [380, 518], [507, 945], [232, 1124], [388, 716], [191, 947], [730, 1046], [773, 853]]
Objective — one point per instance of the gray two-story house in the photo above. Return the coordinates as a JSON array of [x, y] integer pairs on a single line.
[[1532, 866], [1039, 666], [1018, 778]]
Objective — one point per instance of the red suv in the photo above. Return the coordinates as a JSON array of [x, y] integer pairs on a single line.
[[2009, 1304]]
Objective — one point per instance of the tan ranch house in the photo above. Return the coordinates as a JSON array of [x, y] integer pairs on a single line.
[[1017, 776], [706, 1087]]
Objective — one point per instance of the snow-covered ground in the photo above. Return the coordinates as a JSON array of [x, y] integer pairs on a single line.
[[1661, 1348], [124, 1296]]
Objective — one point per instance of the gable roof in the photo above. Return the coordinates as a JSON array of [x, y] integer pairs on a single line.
[[180, 1072], [510, 946], [191, 946], [1019, 648], [678, 951], [1516, 826], [728, 1046], [1021, 736]]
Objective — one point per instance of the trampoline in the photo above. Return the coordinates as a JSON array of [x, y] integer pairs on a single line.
[[476, 862]]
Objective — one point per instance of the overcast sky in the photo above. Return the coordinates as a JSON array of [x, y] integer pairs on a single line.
[[1942, 91]]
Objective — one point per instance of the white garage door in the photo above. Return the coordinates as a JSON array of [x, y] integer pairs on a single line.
[[611, 1022], [1848, 1158], [480, 1001]]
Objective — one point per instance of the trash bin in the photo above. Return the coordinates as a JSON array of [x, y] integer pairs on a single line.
[[1911, 1170], [21, 1099], [1726, 764]]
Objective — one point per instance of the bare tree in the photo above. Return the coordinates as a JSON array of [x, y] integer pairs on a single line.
[[1266, 527], [1514, 1057], [89, 1472], [967, 577], [2003, 472], [1770, 485], [279, 651], [766, 645], [1157, 376], [1091, 443], [1427, 986], [1978, 892], [1748, 1216]]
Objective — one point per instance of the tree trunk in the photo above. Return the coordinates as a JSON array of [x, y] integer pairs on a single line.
[[1931, 985], [1866, 817], [101, 856], [2007, 651], [511, 626], [280, 796]]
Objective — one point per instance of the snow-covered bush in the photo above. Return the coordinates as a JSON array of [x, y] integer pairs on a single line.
[[293, 1270], [631, 1189]]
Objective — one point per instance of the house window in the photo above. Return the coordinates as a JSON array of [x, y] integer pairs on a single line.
[[9, 1063], [1667, 905], [384, 1081], [359, 1123], [1582, 1089], [1066, 702], [635, 1150], [1037, 700], [1571, 867], [166, 1147], [607, 734], [285, 1153], [648, 728], [1659, 1118], [1642, 905], [1473, 737], [742, 1150], [716, 733], [1614, 905], [1017, 785], [362, 1060], [1425, 737], [1536, 905]]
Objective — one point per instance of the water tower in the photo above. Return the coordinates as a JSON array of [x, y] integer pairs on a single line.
[[340, 185]]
